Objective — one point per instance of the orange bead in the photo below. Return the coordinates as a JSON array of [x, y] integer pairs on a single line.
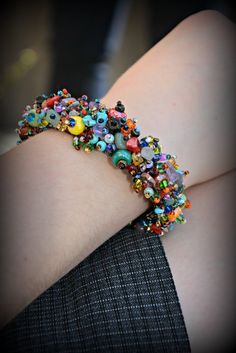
[[157, 200], [171, 216], [174, 214], [166, 190], [130, 123], [188, 204]]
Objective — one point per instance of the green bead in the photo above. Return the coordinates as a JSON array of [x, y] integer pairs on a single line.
[[181, 199], [121, 158], [52, 117], [163, 184], [180, 219], [88, 147]]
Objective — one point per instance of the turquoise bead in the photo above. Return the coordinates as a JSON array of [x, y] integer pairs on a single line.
[[181, 199], [121, 158], [119, 141], [101, 146], [101, 118], [94, 139], [88, 120], [109, 138], [158, 210], [148, 192], [33, 118]]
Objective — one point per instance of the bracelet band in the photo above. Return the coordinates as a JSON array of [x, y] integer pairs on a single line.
[[109, 130]]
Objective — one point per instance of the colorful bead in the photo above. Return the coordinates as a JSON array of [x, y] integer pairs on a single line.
[[101, 118], [94, 139], [33, 118], [147, 153], [121, 158], [109, 130], [77, 127], [163, 184], [109, 138], [133, 145], [137, 159], [119, 141], [158, 210], [101, 146], [148, 192], [88, 120]]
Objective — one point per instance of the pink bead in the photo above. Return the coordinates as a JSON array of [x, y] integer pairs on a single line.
[[133, 145]]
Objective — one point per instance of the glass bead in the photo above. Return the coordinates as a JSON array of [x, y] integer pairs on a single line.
[[148, 192], [147, 153]]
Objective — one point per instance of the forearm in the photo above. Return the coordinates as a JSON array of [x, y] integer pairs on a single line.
[[58, 205]]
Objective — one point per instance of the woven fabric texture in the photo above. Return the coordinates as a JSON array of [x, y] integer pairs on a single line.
[[121, 298]]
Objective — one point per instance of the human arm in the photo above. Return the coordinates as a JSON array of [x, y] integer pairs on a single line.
[[58, 204]]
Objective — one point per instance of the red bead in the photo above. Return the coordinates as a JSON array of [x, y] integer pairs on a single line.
[[64, 91], [51, 101], [133, 145], [84, 112], [155, 229], [132, 169]]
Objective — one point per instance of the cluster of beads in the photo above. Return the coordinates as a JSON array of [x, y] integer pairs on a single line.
[[111, 131]]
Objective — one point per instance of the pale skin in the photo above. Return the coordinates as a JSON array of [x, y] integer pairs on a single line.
[[58, 204]]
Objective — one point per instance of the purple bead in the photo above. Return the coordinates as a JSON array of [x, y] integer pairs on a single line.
[[58, 108], [93, 104], [98, 130], [109, 148], [174, 175], [162, 157]]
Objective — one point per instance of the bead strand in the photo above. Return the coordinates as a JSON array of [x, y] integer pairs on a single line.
[[110, 131]]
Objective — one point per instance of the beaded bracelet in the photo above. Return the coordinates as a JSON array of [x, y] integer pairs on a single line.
[[111, 131]]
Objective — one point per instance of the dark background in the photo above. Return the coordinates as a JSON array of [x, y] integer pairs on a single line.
[[81, 45]]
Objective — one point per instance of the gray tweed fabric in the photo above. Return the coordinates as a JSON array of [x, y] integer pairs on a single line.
[[121, 298]]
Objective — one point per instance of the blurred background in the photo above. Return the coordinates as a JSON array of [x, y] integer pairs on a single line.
[[84, 46]]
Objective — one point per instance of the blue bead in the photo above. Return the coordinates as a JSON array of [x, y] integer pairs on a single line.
[[53, 116], [168, 209], [30, 117], [144, 144], [158, 210], [109, 148], [156, 157], [72, 122]]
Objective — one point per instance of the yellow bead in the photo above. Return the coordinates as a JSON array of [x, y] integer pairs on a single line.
[[156, 150], [61, 127], [137, 159], [79, 126], [45, 122], [138, 183], [87, 149]]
